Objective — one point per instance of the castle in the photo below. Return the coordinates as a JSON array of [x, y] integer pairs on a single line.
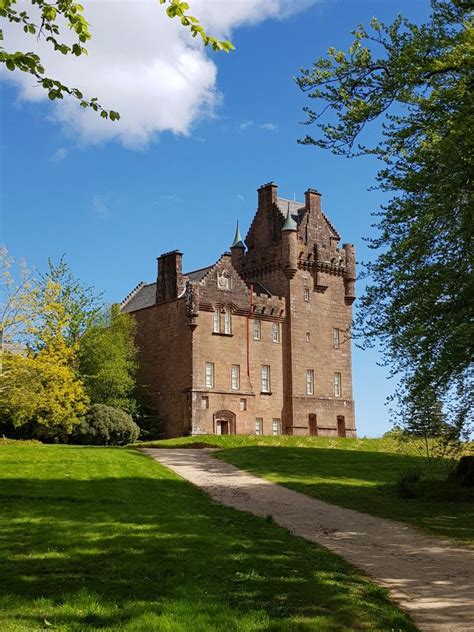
[[258, 342]]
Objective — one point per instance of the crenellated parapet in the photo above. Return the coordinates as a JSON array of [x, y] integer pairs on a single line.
[[268, 307]]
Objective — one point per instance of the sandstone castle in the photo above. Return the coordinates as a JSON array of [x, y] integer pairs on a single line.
[[258, 342]]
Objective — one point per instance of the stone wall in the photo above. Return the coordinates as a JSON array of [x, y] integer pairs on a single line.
[[164, 342]]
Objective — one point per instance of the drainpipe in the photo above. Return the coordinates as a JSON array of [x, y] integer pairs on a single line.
[[249, 315]]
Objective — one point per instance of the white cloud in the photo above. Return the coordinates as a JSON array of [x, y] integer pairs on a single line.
[[60, 154], [270, 127], [245, 125], [142, 64]]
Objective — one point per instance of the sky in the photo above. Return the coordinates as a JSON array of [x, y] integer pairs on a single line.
[[200, 132]]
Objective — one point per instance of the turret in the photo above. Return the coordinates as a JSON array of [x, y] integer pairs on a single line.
[[289, 237], [350, 273], [237, 250]]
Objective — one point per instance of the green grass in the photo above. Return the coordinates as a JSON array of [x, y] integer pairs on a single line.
[[355, 473], [106, 538]]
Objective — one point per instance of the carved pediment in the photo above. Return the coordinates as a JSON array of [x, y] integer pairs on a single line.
[[224, 280]]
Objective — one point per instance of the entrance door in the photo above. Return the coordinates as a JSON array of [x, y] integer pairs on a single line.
[[313, 426], [222, 427], [341, 426]]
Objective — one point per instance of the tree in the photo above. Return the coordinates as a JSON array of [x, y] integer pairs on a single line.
[[17, 300], [108, 360], [418, 81], [81, 304], [52, 17], [41, 385]]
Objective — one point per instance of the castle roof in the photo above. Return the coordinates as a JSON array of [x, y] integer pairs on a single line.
[[197, 275], [297, 209], [142, 296]]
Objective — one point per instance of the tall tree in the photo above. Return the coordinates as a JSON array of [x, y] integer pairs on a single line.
[[418, 81], [108, 359]]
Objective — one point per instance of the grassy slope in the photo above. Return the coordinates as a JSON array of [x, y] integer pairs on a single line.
[[351, 473], [106, 538]]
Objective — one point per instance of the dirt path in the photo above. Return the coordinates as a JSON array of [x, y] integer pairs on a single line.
[[430, 578]]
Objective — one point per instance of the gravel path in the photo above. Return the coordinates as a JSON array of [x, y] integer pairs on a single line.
[[430, 578]]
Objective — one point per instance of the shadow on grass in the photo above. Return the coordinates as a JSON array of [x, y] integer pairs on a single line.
[[152, 552], [363, 481]]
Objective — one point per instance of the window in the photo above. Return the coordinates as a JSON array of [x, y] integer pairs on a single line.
[[235, 377], [205, 401], [306, 294], [310, 382], [243, 404], [216, 325], [336, 339], [276, 332], [228, 321], [209, 374], [259, 426], [276, 427], [257, 330], [337, 385], [308, 337], [265, 379]]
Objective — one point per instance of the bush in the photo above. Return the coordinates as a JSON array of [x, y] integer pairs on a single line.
[[407, 485], [464, 471], [151, 427], [105, 425]]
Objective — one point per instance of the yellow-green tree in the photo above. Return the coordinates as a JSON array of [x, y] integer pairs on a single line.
[[42, 384]]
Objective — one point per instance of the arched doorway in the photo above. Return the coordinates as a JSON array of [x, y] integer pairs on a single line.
[[224, 422]]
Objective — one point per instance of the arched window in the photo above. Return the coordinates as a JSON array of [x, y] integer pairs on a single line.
[[216, 328], [228, 320]]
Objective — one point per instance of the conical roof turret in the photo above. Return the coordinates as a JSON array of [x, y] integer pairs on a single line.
[[237, 243], [290, 223]]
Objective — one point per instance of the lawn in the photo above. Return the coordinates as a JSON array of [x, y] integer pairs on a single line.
[[355, 473], [106, 538]]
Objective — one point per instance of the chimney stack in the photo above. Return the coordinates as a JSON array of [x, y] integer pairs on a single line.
[[170, 281], [312, 200], [267, 195]]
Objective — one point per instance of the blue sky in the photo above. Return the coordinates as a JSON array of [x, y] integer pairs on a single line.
[[113, 209]]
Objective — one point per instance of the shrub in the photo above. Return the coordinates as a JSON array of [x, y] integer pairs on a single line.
[[105, 425], [407, 485], [151, 427], [464, 471]]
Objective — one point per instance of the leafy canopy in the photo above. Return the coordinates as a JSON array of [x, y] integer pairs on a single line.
[[417, 80], [108, 359], [41, 384], [50, 22]]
